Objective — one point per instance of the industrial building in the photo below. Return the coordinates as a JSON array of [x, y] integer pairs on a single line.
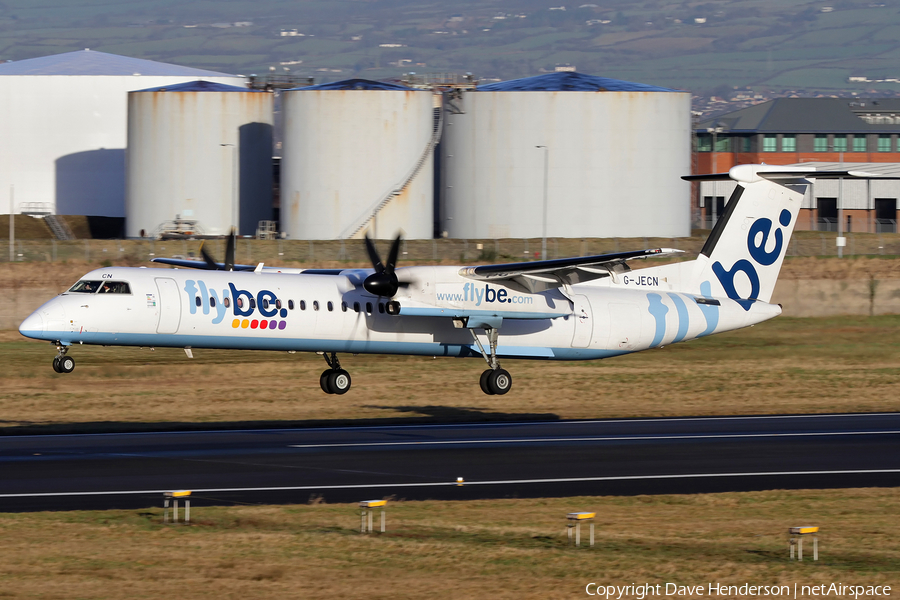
[[830, 132], [199, 153], [358, 157], [63, 135], [566, 154]]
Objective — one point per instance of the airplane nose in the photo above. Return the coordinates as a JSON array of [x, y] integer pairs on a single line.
[[32, 326]]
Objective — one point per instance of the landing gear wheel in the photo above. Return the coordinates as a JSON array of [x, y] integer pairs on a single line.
[[339, 381], [323, 381], [56, 364], [484, 382], [66, 364], [499, 381]]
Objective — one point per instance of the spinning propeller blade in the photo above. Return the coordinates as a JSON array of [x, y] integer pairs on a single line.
[[383, 282]]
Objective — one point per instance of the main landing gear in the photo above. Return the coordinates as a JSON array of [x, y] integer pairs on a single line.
[[494, 380], [63, 363], [334, 380]]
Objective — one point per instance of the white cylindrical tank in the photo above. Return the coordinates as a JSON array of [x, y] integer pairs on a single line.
[[63, 130], [614, 152], [201, 152], [348, 146]]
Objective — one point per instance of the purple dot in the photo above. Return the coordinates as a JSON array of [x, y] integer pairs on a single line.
[[282, 324], [273, 324]]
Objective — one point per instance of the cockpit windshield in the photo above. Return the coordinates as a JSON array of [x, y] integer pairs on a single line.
[[86, 287]]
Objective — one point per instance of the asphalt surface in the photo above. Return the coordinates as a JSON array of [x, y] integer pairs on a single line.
[[494, 460]]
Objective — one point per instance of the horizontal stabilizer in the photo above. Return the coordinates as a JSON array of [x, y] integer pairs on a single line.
[[752, 173]]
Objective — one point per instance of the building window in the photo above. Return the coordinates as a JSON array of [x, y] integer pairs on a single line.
[[840, 143], [884, 143], [828, 213], [859, 143], [745, 144], [820, 144], [770, 143], [723, 144], [789, 143], [704, 143]]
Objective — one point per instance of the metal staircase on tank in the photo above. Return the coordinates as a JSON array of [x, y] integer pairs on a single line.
[[371, 213], [59, 227]]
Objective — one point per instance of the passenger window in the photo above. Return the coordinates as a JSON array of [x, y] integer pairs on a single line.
[[330, 306], [381, 307], [303, 305], [85, 287], [252, 303], [278, 304], [266, 303], [212, 301], [226, 301], [369, 307], [344, 306], [315, 305], [356, 306], [197, 301], [291, 304], [239, 302]]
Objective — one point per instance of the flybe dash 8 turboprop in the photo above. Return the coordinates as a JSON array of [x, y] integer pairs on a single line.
[[583, 308]]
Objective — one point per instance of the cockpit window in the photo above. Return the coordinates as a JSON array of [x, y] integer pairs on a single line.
[[114, 287], [86, 287]]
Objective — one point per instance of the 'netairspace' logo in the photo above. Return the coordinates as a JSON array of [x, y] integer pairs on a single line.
[[473, 293]]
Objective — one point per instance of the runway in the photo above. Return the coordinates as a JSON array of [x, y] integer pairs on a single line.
[[493, 460]]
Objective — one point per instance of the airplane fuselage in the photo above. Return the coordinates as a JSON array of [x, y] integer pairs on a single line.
[[439, 311]]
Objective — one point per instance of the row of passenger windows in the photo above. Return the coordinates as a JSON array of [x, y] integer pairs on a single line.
[[290, 304]]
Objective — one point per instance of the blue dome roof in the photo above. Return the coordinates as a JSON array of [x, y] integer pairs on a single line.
[[199, 86], [569, 82], [356, 84]]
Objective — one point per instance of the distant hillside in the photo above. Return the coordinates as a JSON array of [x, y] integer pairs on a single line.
[[701, 47]]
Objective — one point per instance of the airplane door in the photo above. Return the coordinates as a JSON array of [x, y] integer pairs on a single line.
[[169, 305], [584, 323], [624, 326]]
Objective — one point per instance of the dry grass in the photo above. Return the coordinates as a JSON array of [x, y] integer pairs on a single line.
[[478, 549], [846, 364]]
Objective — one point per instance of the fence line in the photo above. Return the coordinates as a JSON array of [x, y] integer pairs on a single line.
[[449, 251]]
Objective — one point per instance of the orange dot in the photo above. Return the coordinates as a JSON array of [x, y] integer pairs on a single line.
[[236, 323], [245, 324]]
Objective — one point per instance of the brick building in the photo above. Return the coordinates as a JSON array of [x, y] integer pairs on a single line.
[[790, 131]]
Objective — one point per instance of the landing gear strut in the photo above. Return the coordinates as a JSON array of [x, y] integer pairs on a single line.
[[334, 380], [63, 363], [494, 380]]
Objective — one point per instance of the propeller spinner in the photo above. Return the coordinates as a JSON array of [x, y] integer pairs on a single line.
[[383, 282]]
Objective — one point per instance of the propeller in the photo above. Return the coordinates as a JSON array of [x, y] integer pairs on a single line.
[[383, 282], [212, 265]]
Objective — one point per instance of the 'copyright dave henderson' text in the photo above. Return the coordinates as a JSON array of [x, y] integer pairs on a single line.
[[640, 592]]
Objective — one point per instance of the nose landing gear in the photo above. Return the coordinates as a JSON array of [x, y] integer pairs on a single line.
[[63, 363], [334, 380]]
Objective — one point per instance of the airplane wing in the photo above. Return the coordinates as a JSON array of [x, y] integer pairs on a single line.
[[537, 276], [201, 264]]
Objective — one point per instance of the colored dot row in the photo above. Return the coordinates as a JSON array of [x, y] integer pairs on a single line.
[[254, 324]]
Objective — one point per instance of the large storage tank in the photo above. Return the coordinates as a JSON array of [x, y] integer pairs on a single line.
[[615, 152], [200, 151], [348, 148], [63, 127]]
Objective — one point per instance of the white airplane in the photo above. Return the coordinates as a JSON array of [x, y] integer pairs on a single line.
[[584, 308]]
